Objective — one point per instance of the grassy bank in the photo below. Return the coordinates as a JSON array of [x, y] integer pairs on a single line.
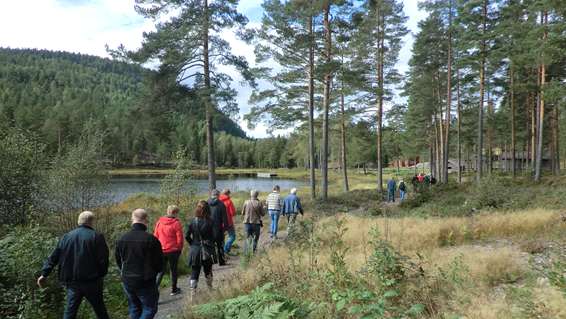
[[454, 252]]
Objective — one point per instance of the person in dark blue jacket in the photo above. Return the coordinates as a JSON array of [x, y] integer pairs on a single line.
[[391, 188], [292, 207], [82, 256]]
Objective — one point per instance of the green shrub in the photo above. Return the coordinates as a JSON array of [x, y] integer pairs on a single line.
[[491, 192], [21, 159], [21, 257], [261, 303]]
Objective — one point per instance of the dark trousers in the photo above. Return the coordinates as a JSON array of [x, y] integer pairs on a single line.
[[220, 251], [173, 260], [195, 270], [252, 232], [142, 302], [92, 291]]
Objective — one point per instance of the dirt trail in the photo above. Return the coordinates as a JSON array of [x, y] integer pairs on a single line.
[[171, 307]]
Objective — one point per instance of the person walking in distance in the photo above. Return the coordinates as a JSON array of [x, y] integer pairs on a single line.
[[82, 257], [139, 256], [274, 209], [292, 207], [402, 190], [230, 214], [200, 236], [391, 188], [253, 212], [169, 232], [220, 222]]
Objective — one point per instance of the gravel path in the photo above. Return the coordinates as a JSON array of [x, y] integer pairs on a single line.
[[171, 307]]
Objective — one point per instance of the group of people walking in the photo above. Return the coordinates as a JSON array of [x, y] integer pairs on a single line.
[[82, 255]]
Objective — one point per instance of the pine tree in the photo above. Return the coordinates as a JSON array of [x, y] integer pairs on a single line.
[[189, 45], [287, 36], [381, 28]]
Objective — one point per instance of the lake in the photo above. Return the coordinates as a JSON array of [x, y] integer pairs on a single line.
[[122, 187]]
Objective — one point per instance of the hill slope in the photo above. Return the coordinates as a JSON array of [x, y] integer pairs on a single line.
[[58, 94]]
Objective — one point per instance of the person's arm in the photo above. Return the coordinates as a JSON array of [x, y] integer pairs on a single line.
[[102, 254], [189, 234], [299, 206], [224, 212], [118, 255], [157, 225], [179, 234], [50, 263], [157, 255], [284, 207]]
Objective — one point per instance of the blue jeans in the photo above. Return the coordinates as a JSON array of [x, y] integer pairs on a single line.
[[252, 232], [92, 291], [142, 302], [391, 196], [401, 195], [231, 239], [274, 214]]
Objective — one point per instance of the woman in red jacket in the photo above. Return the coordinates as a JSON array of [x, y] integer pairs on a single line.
[[169, 231], [230, 212]]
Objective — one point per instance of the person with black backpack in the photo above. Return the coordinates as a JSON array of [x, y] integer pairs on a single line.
[[402, 190], [200, 236]]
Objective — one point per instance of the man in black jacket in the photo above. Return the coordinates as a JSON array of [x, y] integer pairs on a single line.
[[140, 259], [82, 256], [219, 223]]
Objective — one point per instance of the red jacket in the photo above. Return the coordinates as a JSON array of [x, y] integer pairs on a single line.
[[230, 209], [169, 231]]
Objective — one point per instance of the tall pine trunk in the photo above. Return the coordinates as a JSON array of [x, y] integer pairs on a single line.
[[459, 125], [312, 151], [540, 124], [513, 133], [556, 140], [479, 169], [208, 103], [343, 138], [446, 147], [326, 100], [380, 61]]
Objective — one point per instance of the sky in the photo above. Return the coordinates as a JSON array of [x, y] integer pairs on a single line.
[[87, 26]]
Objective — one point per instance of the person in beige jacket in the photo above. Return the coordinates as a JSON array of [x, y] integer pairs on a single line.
[[253, 211]]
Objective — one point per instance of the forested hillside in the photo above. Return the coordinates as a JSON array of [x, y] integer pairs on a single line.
[[143, 117]]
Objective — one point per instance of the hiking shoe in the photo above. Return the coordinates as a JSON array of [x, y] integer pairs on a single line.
[[175, 292]]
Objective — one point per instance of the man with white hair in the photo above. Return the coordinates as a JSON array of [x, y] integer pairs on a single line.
[[140, 258], [292, 207], [82, 256]]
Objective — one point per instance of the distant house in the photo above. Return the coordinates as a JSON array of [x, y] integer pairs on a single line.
[[399, 163], [522, 159], [452, 166]]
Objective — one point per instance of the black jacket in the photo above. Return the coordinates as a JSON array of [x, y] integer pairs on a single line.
[[219, 218], [139, 257], [199, 235], [82, 256]]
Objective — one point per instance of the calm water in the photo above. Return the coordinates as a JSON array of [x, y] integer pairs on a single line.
[[121, 187]]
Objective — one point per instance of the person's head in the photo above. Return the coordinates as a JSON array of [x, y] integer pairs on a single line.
[[202, 210], [214, 193], [173, 210], [86, 218], [226, 192], [140, 216], [254, 194], [293, 191], [276, 188]]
